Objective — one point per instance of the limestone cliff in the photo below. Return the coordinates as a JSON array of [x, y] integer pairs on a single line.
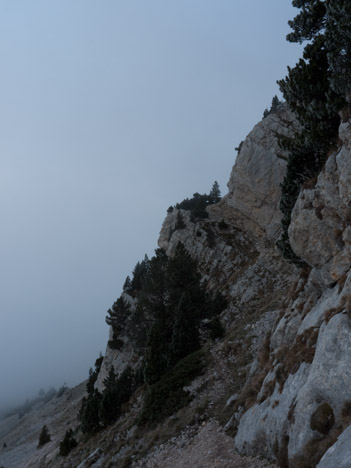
[[235, 245], [278, 383], [304, 401]]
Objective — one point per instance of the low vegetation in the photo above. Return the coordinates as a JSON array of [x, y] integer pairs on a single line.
[[198, 203]]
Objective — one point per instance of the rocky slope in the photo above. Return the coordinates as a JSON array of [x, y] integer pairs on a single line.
[[21, 434], [277, 384], [304, 402]]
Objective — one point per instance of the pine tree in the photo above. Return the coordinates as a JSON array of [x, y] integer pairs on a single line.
[[185, 330], [308, 92], [156, 351], [139, 272], [338, 43], [215, 193], [118, 314], [117, 391], [127, 285], [44, 437], [68, 443], [175, 330], [89, 413], [180, 224]]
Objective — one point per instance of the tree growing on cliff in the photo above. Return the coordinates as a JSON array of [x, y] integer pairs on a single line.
[[310, 93], [67, 444], [177, 307], [215, 193], [338, 44], [44, 437]]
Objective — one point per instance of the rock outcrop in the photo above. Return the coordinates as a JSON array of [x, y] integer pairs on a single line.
[[279, 382], [235, 245], [308, 371], [320, 231], [254, 184]]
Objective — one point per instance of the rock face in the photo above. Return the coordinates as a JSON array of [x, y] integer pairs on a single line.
[[340, 453], [21, 434], [320, 231], [237, 257], [232, 254], [280, 379], [254, 184], [308, 367]]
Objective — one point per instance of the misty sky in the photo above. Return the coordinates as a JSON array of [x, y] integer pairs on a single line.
[[110, 112]]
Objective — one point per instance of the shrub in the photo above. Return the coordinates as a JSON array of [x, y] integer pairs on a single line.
[[216, 328], [323, 419], [197, 205], [210, 238], [116, 343], [180, 224], [223, 225]]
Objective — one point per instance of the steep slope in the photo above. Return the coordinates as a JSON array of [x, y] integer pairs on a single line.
[[21, 434], [304, 402], [235, 250], [234, 247]]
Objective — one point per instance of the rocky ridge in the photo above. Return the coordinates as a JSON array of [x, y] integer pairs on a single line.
[[278, 384], [314, 329]]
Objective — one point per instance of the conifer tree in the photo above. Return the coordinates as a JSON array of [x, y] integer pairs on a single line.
[[44, 437], [127, 285], [117, 391], [68, 443], [180, 224], [118, 314], [309, 93], [89, 413], [215, 193], [338, 44]]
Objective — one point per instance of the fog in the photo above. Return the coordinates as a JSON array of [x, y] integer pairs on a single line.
[[111, 111]]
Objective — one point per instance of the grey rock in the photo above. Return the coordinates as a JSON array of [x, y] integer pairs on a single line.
[[320, 231], [339, 454], [231, 400], [254, 185], [92, 460]]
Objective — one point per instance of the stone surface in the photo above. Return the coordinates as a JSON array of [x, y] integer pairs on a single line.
[[204, 447], [21, 435], [267, 297], [320, 229], [339, 454], [254, 185]]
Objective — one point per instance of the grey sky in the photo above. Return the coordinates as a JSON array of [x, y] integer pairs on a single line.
[[110, 112]]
